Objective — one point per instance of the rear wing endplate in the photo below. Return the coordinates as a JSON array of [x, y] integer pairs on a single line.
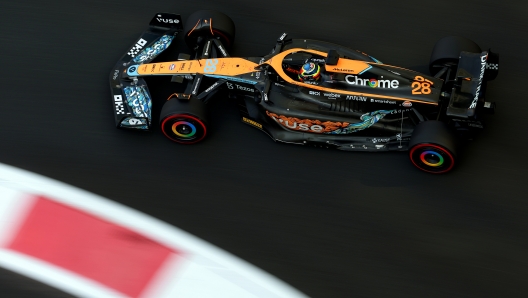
[[474, 70]]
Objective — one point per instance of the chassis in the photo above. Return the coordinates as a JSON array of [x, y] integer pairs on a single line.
[[359, 103]]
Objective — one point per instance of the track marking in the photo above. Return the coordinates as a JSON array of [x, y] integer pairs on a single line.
[[194, 268]]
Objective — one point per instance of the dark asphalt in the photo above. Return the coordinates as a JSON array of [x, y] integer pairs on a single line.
[[330, 223]]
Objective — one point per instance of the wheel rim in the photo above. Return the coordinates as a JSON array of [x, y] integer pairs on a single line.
[[185, 129], [432, 158]]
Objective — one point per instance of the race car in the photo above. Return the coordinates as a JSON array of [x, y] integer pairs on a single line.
[[308, 92]]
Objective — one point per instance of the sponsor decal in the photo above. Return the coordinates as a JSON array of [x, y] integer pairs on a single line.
[[380, 140], [196, 85], [483, 60], [314, 93], [153, 68], [132, 70], [171, 67], [373, 83], [283, 36], [232, 86], [333, 95], [357, 98], [116, 72], [211, 87], [210, 65], [182, 66], [167, 21], [222, 50], [144, 68], [207, 47], [493, 66], [244, 88], [379, 146], [375, 100], [254, 123], [137, 47], [118, 102], [400, 111], [342, 69], [407, 104], [329, 127]]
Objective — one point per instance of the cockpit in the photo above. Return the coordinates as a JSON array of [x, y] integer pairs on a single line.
[[305, 67]]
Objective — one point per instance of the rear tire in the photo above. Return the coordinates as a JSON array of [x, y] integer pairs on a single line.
[[184, 121], [433, 147], [447, 51], [209, 23]]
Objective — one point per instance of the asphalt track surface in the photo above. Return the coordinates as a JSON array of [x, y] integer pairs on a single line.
[[330, 223]]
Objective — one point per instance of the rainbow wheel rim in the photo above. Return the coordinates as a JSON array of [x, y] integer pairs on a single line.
[[184, 129], [432, 158]]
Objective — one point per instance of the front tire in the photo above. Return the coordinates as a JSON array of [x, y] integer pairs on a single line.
[[433, 147], [209, 23], [183, 121]]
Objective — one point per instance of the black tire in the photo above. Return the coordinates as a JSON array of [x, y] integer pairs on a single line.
[[447, 51], [433, 147], [184, 121], [209, 23]]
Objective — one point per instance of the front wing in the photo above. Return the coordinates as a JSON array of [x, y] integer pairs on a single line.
[[131, 100]]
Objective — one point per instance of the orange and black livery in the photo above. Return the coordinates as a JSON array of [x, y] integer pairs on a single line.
[[304, 91]]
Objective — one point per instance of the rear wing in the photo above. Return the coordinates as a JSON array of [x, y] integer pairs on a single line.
[[131, 99], [467, 96]]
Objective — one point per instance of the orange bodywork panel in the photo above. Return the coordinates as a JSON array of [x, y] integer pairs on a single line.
[[216, 66], [231, 67], [347, 66]]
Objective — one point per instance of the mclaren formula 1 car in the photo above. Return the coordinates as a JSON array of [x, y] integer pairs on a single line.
[[308, 92]]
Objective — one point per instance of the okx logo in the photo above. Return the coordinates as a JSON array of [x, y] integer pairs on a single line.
[[137, 47], [118, 102]]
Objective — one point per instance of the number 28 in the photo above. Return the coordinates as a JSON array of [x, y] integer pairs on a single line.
[[421, 85]]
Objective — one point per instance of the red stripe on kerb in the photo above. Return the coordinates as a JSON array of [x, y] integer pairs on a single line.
[[87, 245]]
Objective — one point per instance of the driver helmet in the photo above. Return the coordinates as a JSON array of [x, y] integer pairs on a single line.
[[310, 72]]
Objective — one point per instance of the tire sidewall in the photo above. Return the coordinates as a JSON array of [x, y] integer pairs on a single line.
[[433, 139]]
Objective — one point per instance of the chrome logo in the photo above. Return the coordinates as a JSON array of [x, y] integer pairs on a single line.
[[373, 83], [432, 158], [184, 129]]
